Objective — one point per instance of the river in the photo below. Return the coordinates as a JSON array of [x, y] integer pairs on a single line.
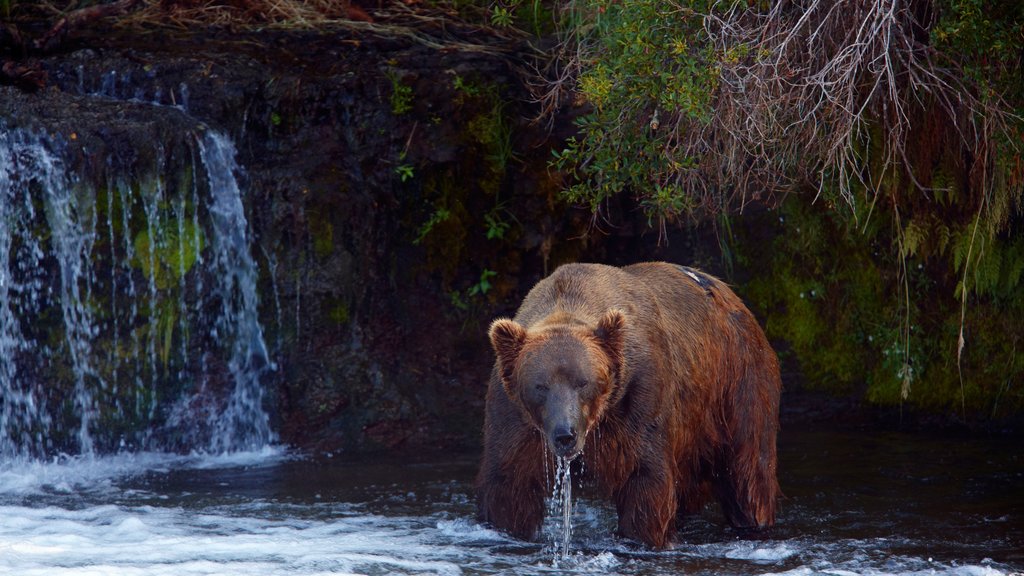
[[856, 502]]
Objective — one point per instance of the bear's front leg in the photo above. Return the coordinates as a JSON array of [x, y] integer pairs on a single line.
[[647, 505], [511, 488]]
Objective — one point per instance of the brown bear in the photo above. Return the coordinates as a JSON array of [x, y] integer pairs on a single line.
[[656, 375]]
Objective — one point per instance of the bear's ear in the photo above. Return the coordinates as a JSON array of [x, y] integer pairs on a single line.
[[610, 334], [507, 338]]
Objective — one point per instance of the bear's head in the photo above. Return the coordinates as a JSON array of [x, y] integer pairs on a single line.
[[562, 375]]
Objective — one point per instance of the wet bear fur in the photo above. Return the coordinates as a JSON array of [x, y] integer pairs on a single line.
[[656, 375]]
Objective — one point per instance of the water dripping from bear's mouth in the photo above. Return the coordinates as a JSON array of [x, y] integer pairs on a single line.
[[560, 505], [560, 502]]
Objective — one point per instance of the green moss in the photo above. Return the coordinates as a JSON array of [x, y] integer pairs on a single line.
[[443, 232], [339, 313], [853, 323], [490, 129], [322, 232], [401, 98], [439, 216], [488, 133], [170, 253]]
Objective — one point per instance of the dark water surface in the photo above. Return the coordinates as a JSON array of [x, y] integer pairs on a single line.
[[855, 503]]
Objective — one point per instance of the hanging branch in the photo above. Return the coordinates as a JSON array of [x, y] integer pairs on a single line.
[[77, 19], [804, 88], [24, 71]]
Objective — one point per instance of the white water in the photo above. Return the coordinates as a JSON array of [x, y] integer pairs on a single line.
[[244, 423], [71, 216], [268, 513], [30, 176]]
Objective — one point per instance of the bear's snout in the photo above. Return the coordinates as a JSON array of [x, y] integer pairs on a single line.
[[565, 437], [562, 422], [564, 440]]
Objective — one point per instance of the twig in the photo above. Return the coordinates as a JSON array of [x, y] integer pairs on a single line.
[[76, 19]]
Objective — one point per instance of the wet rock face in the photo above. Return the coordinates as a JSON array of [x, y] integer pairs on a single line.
[[396, 199], [127, 291]]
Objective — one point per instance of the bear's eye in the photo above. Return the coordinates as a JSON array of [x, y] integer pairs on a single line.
[[580, 384], [541, 387]]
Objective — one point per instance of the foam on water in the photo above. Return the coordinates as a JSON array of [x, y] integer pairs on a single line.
[[121, 514], [760, 552], [172, 541], [465, 531], [933, 569], [254, 538], [22, 477]]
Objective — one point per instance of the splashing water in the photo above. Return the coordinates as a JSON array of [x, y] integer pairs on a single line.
[[133, 304], [72, 221], [268, 514], [244, 423], [20, 415], [31, 175]]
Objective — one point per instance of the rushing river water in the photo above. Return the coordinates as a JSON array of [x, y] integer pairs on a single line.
[[855, 504]]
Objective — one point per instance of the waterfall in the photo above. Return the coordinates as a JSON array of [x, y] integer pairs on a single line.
[[128, 310], [243, 423], [22, 419]]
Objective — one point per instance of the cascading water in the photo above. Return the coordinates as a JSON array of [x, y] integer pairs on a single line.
[[244, 422], [560, 506], [128, 312], [36, 193]]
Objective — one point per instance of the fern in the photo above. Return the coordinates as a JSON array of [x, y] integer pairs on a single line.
[[942, 238], [945, 188], [960, 249], [914, 237], [1013, 267], [986, 271]]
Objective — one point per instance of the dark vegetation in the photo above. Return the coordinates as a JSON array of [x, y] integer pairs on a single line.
[[888, 137], [853, 168]]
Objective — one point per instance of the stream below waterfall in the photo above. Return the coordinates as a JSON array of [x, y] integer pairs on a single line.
[[856, 503]]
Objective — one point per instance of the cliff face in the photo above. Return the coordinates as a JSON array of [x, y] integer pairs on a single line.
[[396, 200]]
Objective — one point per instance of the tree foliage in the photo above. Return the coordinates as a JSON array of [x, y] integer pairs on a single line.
[[894, 127], [725, 102]]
